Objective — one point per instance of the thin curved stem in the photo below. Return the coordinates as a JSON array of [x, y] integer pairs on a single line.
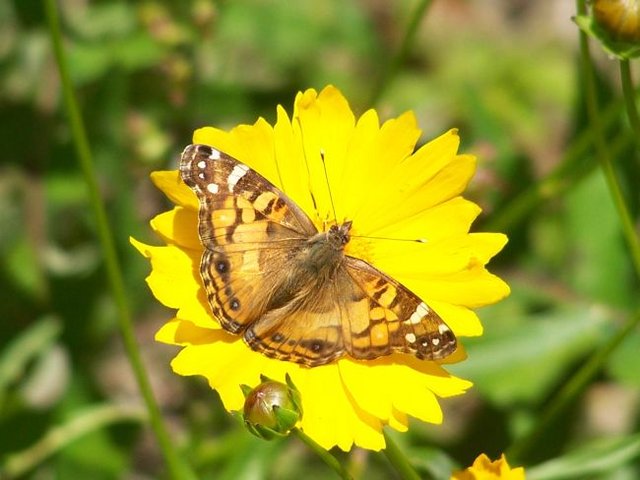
[[395, 63], [177, 469], [602, 152], [398, 459], [629, 98], [324, 455]]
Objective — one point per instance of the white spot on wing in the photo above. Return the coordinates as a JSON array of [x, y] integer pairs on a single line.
[[202, 164], [421, 311], [213, 188], [236, 174], [410, 337], [215, 154], [442, 328]]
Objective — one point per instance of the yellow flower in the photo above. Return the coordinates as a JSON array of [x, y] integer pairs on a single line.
[[484, 469], [388, 191]]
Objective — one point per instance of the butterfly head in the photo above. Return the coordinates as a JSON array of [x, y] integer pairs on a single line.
[[338, 235]]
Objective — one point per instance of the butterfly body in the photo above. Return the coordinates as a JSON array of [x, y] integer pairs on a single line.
[[289, 289]]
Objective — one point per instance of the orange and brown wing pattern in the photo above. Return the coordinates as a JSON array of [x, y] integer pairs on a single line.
[[246, 227], [268, 276], [236, 201], [308, 329], [396, 320], [362, 312], [240, 284]]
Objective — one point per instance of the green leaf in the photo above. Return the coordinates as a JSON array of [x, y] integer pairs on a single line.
[[26, 347], [432, 460], [80, 424], [600, 267], [603, 456], [136, 52], [623, 364], [522, 360]]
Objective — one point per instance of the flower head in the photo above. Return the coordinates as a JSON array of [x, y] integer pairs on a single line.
[[368, 173], [484, 469]]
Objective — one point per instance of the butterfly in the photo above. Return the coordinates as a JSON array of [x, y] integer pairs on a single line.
[[289, 289]]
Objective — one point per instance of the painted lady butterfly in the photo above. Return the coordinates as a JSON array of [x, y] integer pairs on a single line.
[[290, 290]]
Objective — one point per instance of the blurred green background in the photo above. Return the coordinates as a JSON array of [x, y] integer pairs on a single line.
[[148, 73]]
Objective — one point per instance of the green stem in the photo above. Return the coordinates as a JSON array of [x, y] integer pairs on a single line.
[[324, 455], [114, 276], [573, 167], [629, 97], [399, 461], [602, 152], [570, 390], [401, 54]]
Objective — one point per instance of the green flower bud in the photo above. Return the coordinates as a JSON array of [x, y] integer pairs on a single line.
[[272, 408], [616, 24], [619, 18]]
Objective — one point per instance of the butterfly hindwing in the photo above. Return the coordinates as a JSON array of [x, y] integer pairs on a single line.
[[396, 321]]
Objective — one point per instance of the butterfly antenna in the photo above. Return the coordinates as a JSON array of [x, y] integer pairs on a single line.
[[326, 177], [306, 164], [417, 240]]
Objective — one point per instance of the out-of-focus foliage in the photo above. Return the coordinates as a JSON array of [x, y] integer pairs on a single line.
[[148, 73]]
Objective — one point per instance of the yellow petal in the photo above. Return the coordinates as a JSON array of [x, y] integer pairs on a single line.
[[291, 162], [325, 402], [388, 148], [348, 184], [227, 364], [180, 332], [447, 219], [399, 420], [408, 200], [435, 258], [406, 384], [173, 281], [473, 288], [255, 144], [218, 139], [178, 227], [463, 321], [218, 362], [171, 185], [324, 125], [485, 469]]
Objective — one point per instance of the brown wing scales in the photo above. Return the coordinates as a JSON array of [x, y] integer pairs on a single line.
[[397, 320], [261, 276]]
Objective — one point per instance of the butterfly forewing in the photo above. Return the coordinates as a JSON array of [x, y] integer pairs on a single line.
[[233, 196], [240, 215]]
